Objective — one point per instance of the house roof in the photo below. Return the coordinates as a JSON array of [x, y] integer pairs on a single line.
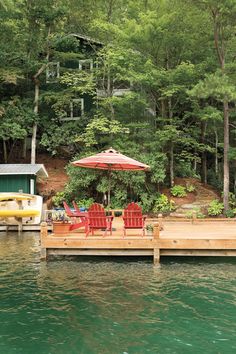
[[23, 169], [86, 38]]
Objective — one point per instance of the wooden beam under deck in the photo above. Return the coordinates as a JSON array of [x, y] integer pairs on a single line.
[[175, 240], [99, 252]]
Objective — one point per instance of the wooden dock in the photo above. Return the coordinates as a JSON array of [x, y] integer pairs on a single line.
[[182, 238]]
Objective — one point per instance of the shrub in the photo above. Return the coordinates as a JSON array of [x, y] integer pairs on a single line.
[[58, 198], [163, 204], [199, 214], [232, 200], [230, 213], [184, 168], [147, 202], [190, 188], [215, 208], [178, 191], [85, 203]]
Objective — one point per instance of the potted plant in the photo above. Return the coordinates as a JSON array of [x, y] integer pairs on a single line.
[[149, 229], [61, 222]]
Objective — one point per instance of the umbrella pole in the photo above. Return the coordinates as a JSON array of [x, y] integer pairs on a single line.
[[109, 190]]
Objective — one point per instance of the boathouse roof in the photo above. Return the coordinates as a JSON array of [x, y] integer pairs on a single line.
[[23, 169]]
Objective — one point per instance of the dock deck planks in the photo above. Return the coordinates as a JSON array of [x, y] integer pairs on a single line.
[[178, 238]]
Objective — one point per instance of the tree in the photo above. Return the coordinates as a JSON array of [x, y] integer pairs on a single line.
[[223, 16], [42, 18]]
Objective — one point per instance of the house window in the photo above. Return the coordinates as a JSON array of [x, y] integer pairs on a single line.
[[52, 72], [75, 109], [86, 64]]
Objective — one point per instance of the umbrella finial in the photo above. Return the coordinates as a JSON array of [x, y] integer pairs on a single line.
[[111, 150]]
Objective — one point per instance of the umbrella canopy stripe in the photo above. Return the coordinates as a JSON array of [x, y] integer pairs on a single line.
[[111, 160]]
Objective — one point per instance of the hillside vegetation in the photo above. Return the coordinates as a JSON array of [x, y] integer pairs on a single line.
[[153, 79]]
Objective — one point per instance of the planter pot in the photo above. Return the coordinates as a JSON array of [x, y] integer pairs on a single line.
[[61, 228], [149, 232]]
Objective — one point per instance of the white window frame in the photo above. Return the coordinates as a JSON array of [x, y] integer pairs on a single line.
[[71, 108], [52, 67], [85, 61]]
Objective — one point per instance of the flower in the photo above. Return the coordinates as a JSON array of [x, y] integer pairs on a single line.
[[58, 215]]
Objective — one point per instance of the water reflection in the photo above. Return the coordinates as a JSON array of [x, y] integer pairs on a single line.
[[71, 305]]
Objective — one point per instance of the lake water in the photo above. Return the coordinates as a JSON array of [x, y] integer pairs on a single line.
[[111, 305]]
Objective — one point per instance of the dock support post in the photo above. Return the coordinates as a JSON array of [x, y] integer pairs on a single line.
[[20, 227], [43, 235], [156, 249], [43, 254]]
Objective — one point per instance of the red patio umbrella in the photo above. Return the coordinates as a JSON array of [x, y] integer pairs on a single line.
[[111, 160]]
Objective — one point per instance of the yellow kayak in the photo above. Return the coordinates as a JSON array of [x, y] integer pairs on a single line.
[[19, 213], [15, 196]]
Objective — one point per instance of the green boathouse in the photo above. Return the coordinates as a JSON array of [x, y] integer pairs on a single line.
[[20, 177]]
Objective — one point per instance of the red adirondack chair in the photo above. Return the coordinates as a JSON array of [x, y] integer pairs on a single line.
[[69, 212], [75, 206], [75, 216], [133, 218], [97, 219]]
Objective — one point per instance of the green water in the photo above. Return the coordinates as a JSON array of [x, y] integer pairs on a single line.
[[113, 306]]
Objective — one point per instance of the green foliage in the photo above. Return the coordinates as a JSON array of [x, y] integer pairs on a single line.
[[230, 213], [184, 168], [118, 201], [195, 212], [232, 200], [215, 85], [214, 179], [16, 118], [215, 208], [58, 199], [97, 128], [178, 191], [57, 136], [173, 111], [84, 203], [81, 82], [147, 202], [190, 188], [163, 204]]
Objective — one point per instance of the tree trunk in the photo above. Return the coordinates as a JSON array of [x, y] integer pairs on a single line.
[[195, 161], [219, 41], [36, 100], [216, 153], [171, 145], [226, 157], [35, 126], [24, 148], [5, 151], [234, 181], [204, 156], [163, 109], [171, 164]]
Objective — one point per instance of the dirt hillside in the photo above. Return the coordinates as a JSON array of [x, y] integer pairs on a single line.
[[198, 200], [57, 175]]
